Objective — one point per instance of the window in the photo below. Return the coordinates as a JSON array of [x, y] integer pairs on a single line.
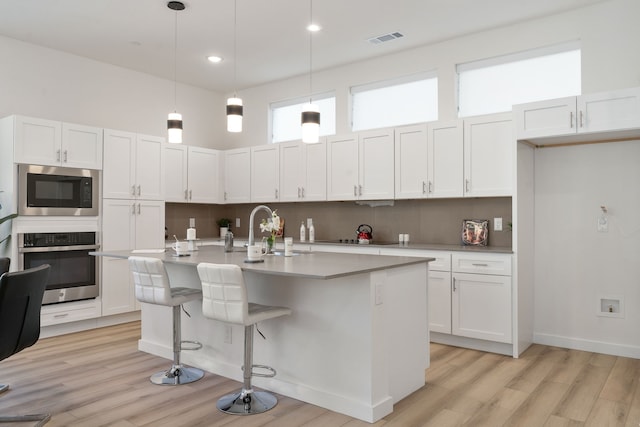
[[494, 85], [286, 116], [403, 101]]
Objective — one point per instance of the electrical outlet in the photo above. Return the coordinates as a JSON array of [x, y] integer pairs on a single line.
[[237, 222], [603, 224], [228, 334], [497, 224], [378, 296]]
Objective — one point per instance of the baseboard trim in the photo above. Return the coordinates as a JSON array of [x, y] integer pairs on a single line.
[[593, 346]]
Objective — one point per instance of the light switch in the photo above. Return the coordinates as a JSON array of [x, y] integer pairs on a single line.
[[497, 224], [237, 222]]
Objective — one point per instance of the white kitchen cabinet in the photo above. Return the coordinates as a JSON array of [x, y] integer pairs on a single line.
[[429, 160], [237, 175], [489, 147], [52, 143], [439, 300], [132, 166], [303, 171], [127, 225], [265, 173], [481, 305], [601, 112], [192, 174], [361, 167]]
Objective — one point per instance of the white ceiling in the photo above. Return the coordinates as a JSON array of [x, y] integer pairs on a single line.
[[272, 42]]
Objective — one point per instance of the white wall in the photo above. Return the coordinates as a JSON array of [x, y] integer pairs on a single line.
[[610, 37], [50, 84], [574, 263]]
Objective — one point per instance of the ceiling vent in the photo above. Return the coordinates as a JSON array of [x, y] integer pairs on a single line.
[[385, 38]]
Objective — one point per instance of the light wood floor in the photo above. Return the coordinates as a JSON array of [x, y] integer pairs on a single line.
[[99, 378]]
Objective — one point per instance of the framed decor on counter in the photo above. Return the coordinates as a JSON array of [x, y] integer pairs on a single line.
[[475, 232]]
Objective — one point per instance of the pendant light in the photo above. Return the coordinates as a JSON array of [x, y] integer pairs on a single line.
[[310, 113], [234, 104], [174, 122]]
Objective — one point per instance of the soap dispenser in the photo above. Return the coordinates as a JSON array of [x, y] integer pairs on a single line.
[[303, 231]]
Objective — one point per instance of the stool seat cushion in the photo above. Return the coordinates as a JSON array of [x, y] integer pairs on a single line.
[[152, 284], [224, 296]]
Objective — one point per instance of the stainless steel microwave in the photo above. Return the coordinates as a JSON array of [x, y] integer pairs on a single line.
[[57, 191]]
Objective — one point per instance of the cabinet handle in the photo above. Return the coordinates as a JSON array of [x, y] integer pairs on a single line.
[[466, 185], [190, 194], [65, 156], [59, 316], [424, 187], [138, 190], [581, 121], [303, 192], [430, 187], [133, 190], [359, 190], [57, 155], [225, 195], [299, 193], [480, 265], [186, 194], [133, 208], [571, 119], [454, 284], [138, 208], [276, 192], [355, 191]]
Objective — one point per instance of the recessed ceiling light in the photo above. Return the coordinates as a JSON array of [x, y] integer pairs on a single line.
[[313, 27], [215, 59]]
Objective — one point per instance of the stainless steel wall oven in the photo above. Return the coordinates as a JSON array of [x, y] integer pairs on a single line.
[[73, 273]]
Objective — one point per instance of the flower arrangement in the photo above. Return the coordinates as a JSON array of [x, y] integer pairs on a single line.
[[273, 226]]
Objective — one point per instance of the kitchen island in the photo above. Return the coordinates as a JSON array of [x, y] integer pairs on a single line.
[[357, 341]]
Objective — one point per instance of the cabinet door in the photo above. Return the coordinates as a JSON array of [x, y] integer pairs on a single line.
[[204, 178], [489, 145], [552, 117], [149, 228], [609, 110], [292, 171], [481, 306], [439, 299], [175, 173], [37, 141], [376, 165], [118, 176], [265, 173], [149, 179], [445, 144], [314, 186], [118, 225], [118, 294], [81, 146], [411, 156], [342, 167], [237, 176]]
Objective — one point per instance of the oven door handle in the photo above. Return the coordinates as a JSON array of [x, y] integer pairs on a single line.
[[58, 248]]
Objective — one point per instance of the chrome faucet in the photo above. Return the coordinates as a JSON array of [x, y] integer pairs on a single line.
[[253, 213]]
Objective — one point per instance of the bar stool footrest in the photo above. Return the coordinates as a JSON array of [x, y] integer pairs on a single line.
[[195, 345]]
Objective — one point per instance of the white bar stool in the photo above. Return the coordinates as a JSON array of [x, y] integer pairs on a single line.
[[224, 298], [152, 287]]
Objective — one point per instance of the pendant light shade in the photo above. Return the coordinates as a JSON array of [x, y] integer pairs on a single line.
[[234, 115], [174, 122], [174, 125], [310, 123]]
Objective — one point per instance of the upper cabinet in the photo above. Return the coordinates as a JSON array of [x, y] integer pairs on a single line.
[[265, 173], [303, 172], [52, 143], [191, 174], [489, 155], [578, 116], [132, 166], [361, 166], [429, 160], [237, 175]]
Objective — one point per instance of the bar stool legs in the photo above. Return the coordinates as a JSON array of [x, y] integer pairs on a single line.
[[178, 374], [248, 401]]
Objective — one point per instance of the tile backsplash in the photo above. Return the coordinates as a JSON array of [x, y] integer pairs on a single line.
[[437, 221]]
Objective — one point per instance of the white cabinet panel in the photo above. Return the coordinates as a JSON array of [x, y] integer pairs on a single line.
[[176, 186], [265, 173], [303, 171], [291, 171], [204, 175], [237, 175], [376, 166], [81, 146], [439, 299], [411, 157], [148, 172], [342, 167], [609, 110], [445, 159], [544, 118]]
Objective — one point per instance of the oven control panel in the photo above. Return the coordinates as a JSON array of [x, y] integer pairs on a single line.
[[39, 240]]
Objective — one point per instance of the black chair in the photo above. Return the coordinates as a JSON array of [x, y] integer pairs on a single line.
[[4, 265], [20, 302]]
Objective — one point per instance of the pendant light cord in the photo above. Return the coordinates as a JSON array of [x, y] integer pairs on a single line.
[[235, 48], [310, 52], [175, 63]]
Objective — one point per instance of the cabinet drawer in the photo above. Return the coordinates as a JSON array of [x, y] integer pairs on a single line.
[[498, 264], [442, 260], [68, 312]]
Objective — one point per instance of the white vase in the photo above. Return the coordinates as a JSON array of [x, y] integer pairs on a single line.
[[223, 232]]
